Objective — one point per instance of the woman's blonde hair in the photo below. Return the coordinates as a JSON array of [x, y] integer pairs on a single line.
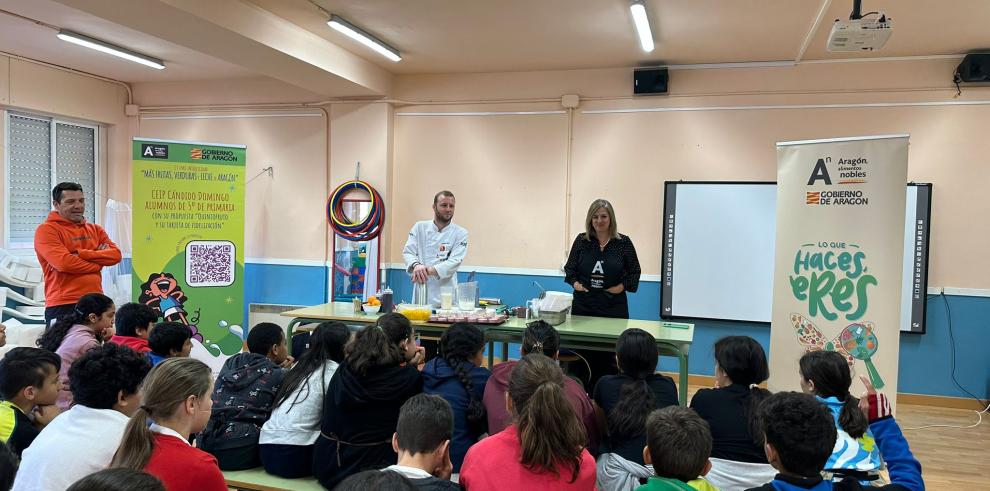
[[589, 230], [165, 389]]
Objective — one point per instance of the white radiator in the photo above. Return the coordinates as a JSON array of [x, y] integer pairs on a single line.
[[269, 312]]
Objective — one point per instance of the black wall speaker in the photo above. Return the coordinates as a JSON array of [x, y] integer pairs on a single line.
[[650, 81], [974, 68]]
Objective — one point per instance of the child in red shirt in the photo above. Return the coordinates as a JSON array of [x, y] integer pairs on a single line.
[[177, 399], [544, 446], [133, 325]]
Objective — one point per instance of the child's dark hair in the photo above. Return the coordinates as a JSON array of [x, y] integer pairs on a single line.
[[325, 344], [800, 429], [743, 360], [166, 337], [132, 316], [830, 373], [425, 422], [100, 374], [8, 467], [637, 354], [263, 336], [679, 442], [93, 303], [459, 344], [118, 479], [378, 345], [549, 430], [541, 337], [379, 480], [22, 367]]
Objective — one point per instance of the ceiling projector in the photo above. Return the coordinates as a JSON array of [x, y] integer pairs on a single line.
[[860, 34]]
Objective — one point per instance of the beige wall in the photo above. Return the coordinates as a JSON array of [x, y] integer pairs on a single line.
[[39, 89], [285, 215], [509, 171], [626, 157]]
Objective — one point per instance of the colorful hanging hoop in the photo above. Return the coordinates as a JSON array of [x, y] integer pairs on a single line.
[[366, 229]]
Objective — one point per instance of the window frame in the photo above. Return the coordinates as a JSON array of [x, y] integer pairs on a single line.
[[53, 122]]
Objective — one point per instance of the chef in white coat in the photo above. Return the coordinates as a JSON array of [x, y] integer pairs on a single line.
[[436, 248]]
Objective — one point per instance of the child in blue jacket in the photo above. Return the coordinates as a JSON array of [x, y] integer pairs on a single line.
[[800, 434]]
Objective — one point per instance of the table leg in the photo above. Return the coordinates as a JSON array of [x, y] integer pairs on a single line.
[[682, 386], [491, 354], [505, 351], [292, 325]]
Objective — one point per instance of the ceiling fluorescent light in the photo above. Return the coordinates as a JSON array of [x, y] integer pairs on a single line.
[[356, 33], [81, 40], [642, 25]]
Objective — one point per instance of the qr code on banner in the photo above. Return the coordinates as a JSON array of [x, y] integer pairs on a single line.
[[210, 263]]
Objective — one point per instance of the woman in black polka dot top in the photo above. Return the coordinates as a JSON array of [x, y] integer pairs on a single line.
[[602, 266]]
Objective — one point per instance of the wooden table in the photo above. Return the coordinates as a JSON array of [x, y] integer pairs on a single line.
[[595, 333], [258, 480]]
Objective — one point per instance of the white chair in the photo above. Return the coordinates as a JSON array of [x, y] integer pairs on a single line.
[[19, 334], [19, 271], [29, 314]]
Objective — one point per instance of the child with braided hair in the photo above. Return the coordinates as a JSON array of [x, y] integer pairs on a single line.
[[458, 377]]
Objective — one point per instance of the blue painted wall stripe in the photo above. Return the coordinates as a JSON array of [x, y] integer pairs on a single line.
[[925, 362]]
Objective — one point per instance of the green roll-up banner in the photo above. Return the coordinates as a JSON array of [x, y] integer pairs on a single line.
[[188, 236]]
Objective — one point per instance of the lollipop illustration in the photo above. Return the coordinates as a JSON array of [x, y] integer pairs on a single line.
[[859, 341]]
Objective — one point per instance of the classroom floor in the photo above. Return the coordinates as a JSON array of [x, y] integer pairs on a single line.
[[951, 458]]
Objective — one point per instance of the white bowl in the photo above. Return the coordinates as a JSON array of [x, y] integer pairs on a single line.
[[371, 309]]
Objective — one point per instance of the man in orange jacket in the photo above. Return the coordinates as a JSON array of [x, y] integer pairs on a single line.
[[72, 252]]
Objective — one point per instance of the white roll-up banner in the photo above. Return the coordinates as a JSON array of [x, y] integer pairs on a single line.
[[838, 264]]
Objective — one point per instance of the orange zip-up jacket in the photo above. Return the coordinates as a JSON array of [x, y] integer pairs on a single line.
[[70, 260]]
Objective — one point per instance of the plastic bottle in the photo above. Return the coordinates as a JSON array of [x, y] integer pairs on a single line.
[[387, 303]]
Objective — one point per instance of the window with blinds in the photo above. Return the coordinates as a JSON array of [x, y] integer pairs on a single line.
[[41, 153]]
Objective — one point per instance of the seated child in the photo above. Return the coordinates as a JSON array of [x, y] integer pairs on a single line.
[[168, 340], [75, 334], [678, 446], [422, 440], [243, 397], [361, 408], [288, 437], [628, 399], [544, 446], [738, 460], [377, 480], [826, 375], [458, 377], [539, 337], [176, 399], [28, 384], [118, 479], [800, 434], [106, 383], [133, 323]]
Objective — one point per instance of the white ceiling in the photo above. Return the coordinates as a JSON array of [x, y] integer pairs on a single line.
[[290, 41], [454, 36], [24, 38]]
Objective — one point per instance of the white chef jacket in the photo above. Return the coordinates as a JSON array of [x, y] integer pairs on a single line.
[[444, 250]]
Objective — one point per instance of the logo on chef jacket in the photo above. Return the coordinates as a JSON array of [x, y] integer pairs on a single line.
[[443, 251]]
